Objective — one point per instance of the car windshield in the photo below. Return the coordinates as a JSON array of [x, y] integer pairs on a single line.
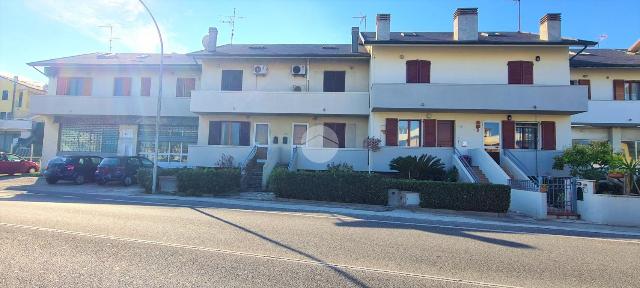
[[110, 162], [58, 160]]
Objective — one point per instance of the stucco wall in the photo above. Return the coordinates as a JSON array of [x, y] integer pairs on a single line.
[[470, 64], [279, 76], [602, 79], [608, 209]]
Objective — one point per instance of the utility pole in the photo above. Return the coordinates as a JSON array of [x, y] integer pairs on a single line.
[[13, 97], [111, 38], [231, 20]]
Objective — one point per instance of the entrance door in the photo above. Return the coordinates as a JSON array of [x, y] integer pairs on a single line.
[[261, 135], [334, 135], [491, 139]]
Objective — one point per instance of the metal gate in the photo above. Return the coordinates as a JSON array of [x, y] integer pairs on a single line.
[[561, 195]]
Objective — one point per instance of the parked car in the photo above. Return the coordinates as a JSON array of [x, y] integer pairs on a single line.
[[123, 169], [79, 169], [12, 164]]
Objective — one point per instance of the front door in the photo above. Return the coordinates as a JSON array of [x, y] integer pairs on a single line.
[[261, 139], [334, 135], [491, 139]]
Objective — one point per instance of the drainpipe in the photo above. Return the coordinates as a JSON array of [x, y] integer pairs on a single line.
[[581, 50], [308, 72], [13, 97]]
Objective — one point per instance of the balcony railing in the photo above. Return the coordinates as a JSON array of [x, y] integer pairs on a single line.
[[560, 99], [610, 113], [258, 102], [108, 105]]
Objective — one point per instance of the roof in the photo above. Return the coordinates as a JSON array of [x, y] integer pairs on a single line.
[[605, 58], [29, 84], [283, 50], [484, 38], [118, 59]]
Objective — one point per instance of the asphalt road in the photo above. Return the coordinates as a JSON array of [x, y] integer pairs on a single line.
[[56, 239]]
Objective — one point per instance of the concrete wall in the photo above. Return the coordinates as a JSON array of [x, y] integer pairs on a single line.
[[489, 167], [470, 64], [207, 156], [543, 164], [608, 209], [279, 76], [50, 140], [318, 158], [380, 159], [602, 80], [532, 204], [465, 127]]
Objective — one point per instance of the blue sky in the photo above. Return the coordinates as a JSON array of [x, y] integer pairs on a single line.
[[42, 29]]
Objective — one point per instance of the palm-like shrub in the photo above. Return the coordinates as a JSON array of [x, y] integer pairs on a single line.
[[424, 167]]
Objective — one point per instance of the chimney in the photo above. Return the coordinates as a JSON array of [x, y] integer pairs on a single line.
[[355, 34], [212, 41], [550, 27], [383, 27], [465, 24], [635, 48]]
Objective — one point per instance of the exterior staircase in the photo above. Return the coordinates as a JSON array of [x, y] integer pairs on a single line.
[[252, 179], [479, 174]]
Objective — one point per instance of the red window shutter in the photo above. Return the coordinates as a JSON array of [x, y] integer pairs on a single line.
[[515, 72], [391, 132], [413, 71], [508, 134], [145, 86], [429, 133], [527, 72], [244, 133], [87, 86], [126, 86], [445, 133], [62, 88], [586, 82], [548, 135], [618, 90], [424, 70]]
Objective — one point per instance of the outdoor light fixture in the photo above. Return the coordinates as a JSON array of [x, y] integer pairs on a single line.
[[509, 117], [537, 58], [477, 126]]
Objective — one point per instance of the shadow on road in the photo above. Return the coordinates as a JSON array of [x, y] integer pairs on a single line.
[[338, 271]]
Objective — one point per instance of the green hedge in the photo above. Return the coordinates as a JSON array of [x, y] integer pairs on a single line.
[[195, 182], [355, 187]]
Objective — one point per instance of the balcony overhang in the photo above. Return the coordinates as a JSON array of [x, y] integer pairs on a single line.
[[479, 98], [57, 105], [609, 113], [15, 125]]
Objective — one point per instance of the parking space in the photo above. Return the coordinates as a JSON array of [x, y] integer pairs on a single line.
[[33, 184]]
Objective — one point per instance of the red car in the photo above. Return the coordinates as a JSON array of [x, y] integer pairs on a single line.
[[12, 164]]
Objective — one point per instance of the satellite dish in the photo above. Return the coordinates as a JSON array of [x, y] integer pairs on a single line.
[[205, 41]]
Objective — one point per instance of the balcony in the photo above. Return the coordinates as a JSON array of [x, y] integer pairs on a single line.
[[610, 113], [301, 103], [15, 125], [561, 99], [108, 106]]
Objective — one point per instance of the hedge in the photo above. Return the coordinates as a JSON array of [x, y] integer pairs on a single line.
[[195, 182], [144, 176], [357, 187]]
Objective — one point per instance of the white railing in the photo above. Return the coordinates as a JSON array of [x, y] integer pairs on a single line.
[[464, 167], [293, 159], [488, 166], [208, 155]]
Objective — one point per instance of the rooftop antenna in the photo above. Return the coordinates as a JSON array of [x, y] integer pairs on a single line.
[[518, 3], [363, 18], [111, 38], [601, 38], [231, 20]]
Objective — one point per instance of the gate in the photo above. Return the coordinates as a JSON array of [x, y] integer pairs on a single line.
[[561, 195]]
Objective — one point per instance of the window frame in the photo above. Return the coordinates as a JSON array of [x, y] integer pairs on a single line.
[[628, 91], [255, 133], [518, 145], [420, 132], [5, 95], [293, 138], [230, 85], [145, 92], [185, 92], [329, 83], [126, 90]]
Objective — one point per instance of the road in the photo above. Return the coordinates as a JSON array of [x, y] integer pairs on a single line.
[[63, 239]]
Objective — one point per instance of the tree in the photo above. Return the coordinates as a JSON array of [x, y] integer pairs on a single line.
[[424, 167], [586, 161], [630, 168]]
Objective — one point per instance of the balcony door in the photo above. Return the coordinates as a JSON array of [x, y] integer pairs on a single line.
[[491, 140], [261, 135]]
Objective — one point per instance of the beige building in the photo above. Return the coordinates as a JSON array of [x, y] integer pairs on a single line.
[[15, 118]]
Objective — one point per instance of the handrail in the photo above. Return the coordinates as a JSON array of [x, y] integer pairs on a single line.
[[247, 159], [292, 160], [520, 165], [466, 165]]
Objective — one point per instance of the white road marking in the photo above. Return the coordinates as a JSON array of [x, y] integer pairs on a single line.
[[262, 256]]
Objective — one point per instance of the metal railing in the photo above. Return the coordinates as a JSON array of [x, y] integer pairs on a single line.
[[466, 165], [528, 184], [292, 160], [243, 164]]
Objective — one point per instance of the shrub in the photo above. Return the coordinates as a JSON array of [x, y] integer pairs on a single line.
[[195, 182], [225, 161], [372, 144], [424, 167], [336, 168], [586, 161], [355, 187]]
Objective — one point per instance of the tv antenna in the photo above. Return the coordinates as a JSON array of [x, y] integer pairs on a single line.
[[231, 20], [111, 38], [601, 38], [518, 3], [363, 18]]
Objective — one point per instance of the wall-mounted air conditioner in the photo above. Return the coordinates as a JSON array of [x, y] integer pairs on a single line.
[[297, 88], [298, 70], [260, 69]]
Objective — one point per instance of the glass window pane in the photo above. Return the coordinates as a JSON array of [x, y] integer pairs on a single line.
[[526, 135], [403, 133], [492, 134], [299, 134], [262, 134], [414, 133]]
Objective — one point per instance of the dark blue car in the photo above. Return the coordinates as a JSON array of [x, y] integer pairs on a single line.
[[123, 169], [79, 169]]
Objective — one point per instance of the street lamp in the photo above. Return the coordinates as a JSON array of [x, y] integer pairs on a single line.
[[159, 106]]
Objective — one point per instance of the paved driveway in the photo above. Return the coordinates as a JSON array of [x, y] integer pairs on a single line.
[[35, 184]]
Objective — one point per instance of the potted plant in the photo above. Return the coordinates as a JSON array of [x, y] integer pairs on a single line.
[[627, 168]]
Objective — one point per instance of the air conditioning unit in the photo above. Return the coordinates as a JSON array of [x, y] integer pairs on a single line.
[[260, 69], [298, 70], [297, 88]]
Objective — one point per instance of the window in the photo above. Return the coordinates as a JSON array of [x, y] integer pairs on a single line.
[[231, 80], [173, 145], [145, 86], [184, 86], [20, 99], [13, 158], [74, 86], [526, 135], [631, 149], [300, 134], [146, 163], [3, 115], [5, 95], [122, 86], [261, 134], [334, 81], [233, 133], [418, 71], [585, 82], [631, 90], [520, 72], [83, 137], [409, 133], [333, 135]]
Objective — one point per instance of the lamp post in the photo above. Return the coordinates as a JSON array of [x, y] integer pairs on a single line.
[[159, 106]]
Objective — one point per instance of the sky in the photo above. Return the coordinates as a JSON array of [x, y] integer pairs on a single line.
[[33, 30]]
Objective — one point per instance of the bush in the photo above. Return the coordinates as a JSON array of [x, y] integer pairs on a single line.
[[354, 187], [424, 167], [586, 161], [195, 182], [145, 175]]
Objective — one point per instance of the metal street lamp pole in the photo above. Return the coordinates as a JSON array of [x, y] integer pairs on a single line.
[[159, 106]]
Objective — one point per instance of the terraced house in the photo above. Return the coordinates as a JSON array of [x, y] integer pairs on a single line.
[[496, 105]]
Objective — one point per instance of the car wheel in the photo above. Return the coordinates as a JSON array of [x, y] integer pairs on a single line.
[[52, 180], [32, 170], [101, 182], [127, 181], [79, 180]]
